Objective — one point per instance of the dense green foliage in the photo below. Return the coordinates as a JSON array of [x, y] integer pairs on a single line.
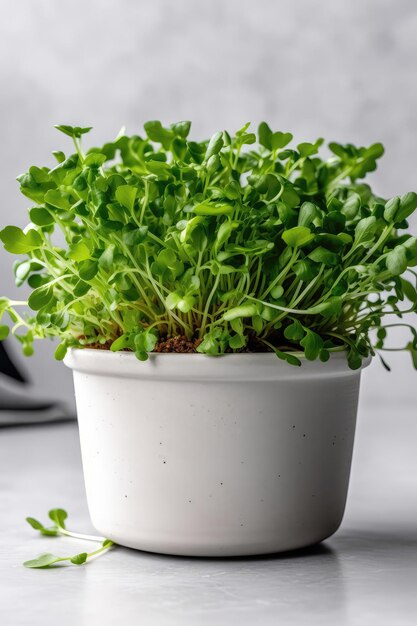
[[236, 241]]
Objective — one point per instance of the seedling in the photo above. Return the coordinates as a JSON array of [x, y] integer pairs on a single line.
[[238, 243], [46, 560]]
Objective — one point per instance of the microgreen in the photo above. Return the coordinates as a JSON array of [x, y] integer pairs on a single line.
[[235, 244], [46, 559]]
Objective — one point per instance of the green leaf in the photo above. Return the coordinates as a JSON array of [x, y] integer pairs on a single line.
[[322, 255], [81, 288], [57, 199], [79, 559], [375, 151], [247, 139], [331, 242], [351, 207], [408, 204], [290, 197], [312, 344], [41, 217], [329, 308], [215, 145], [43, 560], [265, 135], [237, 341], [277, 292], [167, 259], [73, 131], [391, 209], [61, 351], [95, 159], [244, 310], [308, 213], [182, 129], [107, 257], [365, 230], [179, 148], [354, 359], [210, 209], [40, 297], [58, 516], [126, 195], [257, 324], [49, 532], [334, 222], [87, 269], [172, 300], [307, 149], [17, 242], [4, 332], [66, 171], [237, 326], [291, 359], [121, 343], [4, 304], [345, 238], [224, 232], [396, 261], [305, 270], [145, 342], [156, 132], [186, 303], [79, 251], [410, 244], [295, 331], [324, 356], [297, 237], [280, 140], [59, 155], [409, 291], [134, 236], [34, 523]]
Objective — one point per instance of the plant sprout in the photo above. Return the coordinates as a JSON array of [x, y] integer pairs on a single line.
[[239, 243], [46, 559]]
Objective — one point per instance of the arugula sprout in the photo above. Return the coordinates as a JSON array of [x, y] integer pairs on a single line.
[[234, 244], [46, 559]]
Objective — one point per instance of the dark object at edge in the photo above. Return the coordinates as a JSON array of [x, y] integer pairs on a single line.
[[7, 367]]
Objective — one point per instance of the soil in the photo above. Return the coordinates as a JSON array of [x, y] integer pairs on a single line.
[[177, 344], [181, 345]]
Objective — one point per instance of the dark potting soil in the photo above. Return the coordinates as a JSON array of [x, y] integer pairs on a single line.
[[182, 345]]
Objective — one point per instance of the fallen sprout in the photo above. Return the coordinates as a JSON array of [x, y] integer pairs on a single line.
[[46, 559]]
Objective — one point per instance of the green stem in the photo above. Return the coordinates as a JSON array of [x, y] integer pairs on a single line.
[[69, 533], [207, 307]]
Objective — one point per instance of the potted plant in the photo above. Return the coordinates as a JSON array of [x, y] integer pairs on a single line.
[[216, 301]]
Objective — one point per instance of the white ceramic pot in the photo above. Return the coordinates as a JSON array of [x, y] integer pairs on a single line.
[[214, 456]]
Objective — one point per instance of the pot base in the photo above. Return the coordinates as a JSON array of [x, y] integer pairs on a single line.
[[246, 546]]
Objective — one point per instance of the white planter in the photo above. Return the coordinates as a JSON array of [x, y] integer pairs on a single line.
[[214, 456]]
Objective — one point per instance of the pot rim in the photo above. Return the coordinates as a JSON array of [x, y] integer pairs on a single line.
[[242, 367]]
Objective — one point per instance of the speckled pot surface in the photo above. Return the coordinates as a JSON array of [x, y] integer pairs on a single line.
[[214, 456]]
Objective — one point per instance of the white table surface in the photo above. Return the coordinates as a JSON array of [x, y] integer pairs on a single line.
[[366, 574]]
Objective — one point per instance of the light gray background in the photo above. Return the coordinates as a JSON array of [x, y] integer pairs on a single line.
[[345, 70]]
